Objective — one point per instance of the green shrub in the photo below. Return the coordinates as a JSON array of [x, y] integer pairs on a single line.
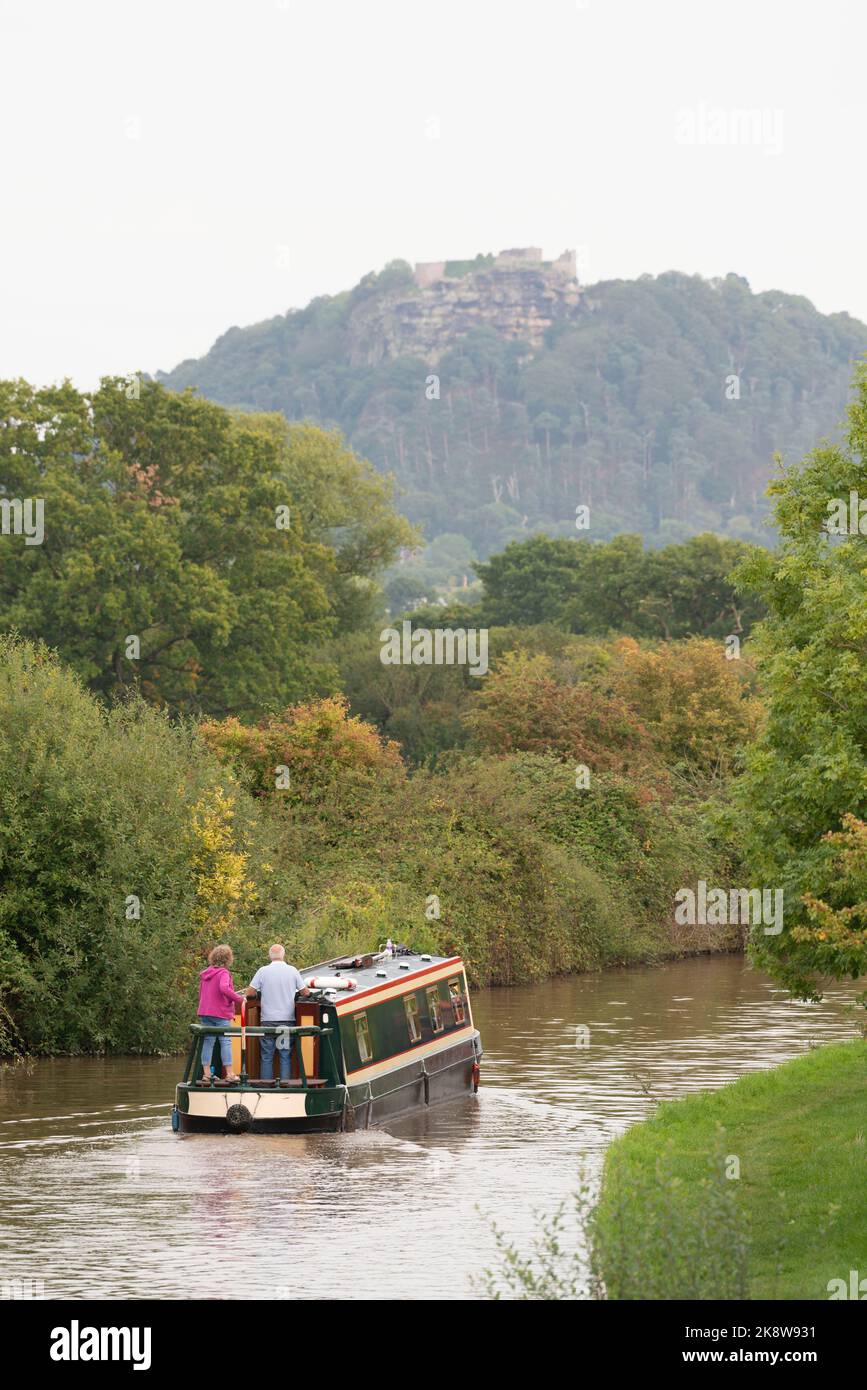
[[98, 808]]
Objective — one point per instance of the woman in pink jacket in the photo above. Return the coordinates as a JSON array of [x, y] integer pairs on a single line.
[[217, 1000]]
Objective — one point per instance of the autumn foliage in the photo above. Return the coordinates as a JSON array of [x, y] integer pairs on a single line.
[[696, 705], [833, 940], [315, 753], [523, 707]]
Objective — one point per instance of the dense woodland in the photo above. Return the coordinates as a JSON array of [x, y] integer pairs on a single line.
[[249, 769]]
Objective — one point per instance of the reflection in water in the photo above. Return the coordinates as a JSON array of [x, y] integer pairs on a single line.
[[102, 1200]]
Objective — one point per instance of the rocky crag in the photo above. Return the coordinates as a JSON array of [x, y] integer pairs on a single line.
[[516, 294]]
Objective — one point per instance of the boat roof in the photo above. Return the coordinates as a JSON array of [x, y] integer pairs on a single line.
[[371, 969]]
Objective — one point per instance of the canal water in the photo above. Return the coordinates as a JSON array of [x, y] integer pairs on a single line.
[[101, 1200]]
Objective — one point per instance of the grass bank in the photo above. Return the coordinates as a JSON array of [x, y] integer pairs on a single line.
[[756, 1190]]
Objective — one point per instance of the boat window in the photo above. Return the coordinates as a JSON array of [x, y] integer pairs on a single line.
[[410, 1005], [362, 1034], [436, 1013], [457, 1000]]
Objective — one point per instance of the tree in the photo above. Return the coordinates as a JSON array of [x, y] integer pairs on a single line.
[[521, 707], [689, 590], [807, 769], [697, 705], [342, 505], [612, 589], [419, 706], [833, 939], [125, 852], [315, 758], [531, 581], [199, 558], [599, 587]]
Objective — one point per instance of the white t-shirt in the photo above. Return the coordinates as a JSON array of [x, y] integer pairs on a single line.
[[278, 983]]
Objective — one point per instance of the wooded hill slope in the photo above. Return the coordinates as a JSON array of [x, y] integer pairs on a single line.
[[629, 406]]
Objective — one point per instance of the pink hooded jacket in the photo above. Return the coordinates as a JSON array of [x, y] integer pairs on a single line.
[[217, 995]]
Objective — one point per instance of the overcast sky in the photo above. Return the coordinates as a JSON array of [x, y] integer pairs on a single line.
[[174, 167]]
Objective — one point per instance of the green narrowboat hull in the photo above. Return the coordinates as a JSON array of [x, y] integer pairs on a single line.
[[417, 1084], [414, 1086], [271, 1110]]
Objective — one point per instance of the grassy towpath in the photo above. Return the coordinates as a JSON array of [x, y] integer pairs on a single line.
[[673, 1223]]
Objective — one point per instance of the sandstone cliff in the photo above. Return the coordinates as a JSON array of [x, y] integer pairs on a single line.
[[519, 296]]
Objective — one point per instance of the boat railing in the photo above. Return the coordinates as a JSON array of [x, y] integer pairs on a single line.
[[263, 1030]]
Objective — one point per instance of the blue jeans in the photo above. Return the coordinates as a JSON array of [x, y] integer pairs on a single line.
[[210, 1038], [267, 1045]]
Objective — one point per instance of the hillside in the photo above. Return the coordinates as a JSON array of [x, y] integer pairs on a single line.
[[502, 393]]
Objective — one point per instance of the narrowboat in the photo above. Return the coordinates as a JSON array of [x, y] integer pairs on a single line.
[[378, 1036]]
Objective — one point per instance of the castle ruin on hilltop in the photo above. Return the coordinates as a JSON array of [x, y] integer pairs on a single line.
[[517, 258], [516, 293]]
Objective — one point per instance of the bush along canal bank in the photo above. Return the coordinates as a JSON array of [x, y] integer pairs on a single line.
[[131, 843], [756, 1190]]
